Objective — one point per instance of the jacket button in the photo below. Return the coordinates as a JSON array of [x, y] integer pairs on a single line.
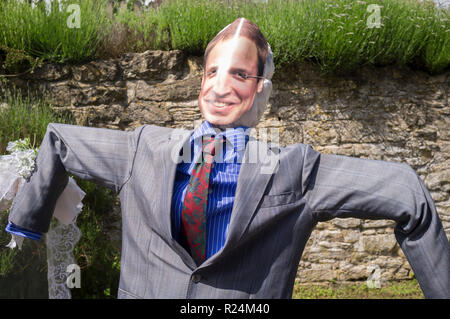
[[196, 278]]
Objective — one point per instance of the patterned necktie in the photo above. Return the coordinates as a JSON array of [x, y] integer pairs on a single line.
[[193, 213]]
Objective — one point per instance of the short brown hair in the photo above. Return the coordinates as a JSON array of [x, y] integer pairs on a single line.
[[248, 30]]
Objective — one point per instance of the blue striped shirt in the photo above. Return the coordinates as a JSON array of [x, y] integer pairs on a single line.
[[222, 183]]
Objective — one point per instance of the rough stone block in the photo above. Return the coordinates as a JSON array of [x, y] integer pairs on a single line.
[[382, 223], [168, 91], [96, 71], [316, 133], [153, 65], [347, 222], [50, 72], [379, 244]]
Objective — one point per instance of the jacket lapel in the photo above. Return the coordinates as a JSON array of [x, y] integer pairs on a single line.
[[169, 159], [258, 166]]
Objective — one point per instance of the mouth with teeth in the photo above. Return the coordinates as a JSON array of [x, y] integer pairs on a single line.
[[219, 105]]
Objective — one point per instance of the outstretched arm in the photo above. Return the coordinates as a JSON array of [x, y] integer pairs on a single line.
[[101, 155], [341, 186]]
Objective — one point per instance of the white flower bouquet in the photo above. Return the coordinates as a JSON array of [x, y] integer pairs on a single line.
[[15, 168], [21, 160]]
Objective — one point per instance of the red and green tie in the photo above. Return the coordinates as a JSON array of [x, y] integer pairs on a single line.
[[193, 213]]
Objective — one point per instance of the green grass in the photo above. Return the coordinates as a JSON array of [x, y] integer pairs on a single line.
[[22, 114], [48, 35], [98, 259], [335, 34], [144, 32], [407, 289]]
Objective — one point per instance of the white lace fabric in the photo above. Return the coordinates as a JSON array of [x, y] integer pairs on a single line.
[[63, 234], [61, 240], [9, 186]]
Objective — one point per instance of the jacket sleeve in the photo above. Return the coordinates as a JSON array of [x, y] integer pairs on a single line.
[[101, 155], [341, 186]]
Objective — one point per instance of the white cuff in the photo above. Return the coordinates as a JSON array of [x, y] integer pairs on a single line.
[[69, 205]]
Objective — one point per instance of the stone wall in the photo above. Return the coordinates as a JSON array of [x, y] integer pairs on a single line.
[[384, 113]]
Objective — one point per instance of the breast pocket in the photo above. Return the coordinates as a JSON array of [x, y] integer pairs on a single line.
[[279, 199]]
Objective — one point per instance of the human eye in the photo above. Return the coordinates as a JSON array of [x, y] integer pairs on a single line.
[[241, 75], [211, 72]]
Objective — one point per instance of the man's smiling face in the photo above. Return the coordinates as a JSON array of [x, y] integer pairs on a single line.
[[226, 94]]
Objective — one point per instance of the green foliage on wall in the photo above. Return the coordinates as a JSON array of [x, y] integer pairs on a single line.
[[338, 35]]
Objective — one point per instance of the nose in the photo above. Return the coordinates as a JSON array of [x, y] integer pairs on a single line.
[[222, 84]]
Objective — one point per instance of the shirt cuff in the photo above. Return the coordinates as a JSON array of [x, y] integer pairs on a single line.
[[16, 230]]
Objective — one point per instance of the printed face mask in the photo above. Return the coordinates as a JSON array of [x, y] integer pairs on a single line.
[[230, 81]]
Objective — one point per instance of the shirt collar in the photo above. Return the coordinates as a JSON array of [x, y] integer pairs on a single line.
[[237, 136]]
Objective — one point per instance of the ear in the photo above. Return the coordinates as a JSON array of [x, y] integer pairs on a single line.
[[260, 85]]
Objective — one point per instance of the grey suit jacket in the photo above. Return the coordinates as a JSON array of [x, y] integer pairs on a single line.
[[275, 210]]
